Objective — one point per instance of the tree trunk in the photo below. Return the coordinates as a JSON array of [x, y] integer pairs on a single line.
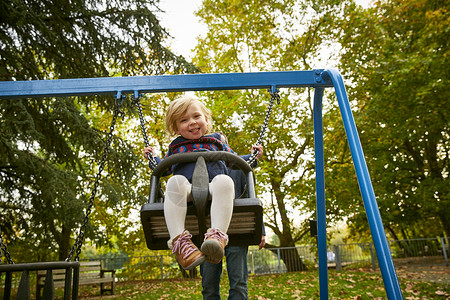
[[291, 259], [404, 246], [188, 274], [64, 245], [445, 220]]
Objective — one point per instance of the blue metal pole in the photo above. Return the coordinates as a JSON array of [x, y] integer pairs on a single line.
[[390, 279], [320, 194], [161, 83]]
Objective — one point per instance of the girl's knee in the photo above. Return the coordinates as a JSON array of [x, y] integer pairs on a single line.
[[222, 184], [178, 184]]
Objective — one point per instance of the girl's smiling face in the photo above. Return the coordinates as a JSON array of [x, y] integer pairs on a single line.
[[193, 123]]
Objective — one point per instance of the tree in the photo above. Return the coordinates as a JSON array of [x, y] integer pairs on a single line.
[[395, 53], [51, 147], [272, 35]]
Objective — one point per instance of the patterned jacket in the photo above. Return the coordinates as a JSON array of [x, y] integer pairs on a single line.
[[211, 142]]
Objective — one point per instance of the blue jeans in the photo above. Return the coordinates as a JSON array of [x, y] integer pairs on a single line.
[[236, 257]]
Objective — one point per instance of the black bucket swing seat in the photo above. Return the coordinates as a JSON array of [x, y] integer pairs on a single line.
[[246, 222]]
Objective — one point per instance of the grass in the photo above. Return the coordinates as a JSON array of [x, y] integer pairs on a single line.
[[360, 284]]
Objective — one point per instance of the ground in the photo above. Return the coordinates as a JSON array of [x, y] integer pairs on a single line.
[[437, 274]]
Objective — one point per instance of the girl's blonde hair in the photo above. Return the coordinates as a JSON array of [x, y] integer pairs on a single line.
[[178, 107]]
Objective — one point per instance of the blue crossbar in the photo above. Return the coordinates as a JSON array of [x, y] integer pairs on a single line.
[[318, 79], [163, 83]]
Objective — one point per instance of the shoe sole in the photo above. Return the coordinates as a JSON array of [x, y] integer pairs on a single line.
[[195, 263], [212, 250]]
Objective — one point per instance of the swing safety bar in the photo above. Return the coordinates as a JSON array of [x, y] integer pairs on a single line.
[[318, 79]]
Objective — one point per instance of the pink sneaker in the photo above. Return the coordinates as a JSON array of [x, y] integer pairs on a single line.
[[185, 251], [214, 244]]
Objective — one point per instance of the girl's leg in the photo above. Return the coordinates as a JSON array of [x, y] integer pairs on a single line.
[[222, 193], [175, 204], [175, 207]]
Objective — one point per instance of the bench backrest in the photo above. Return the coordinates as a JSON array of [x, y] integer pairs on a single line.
[[88, 269]]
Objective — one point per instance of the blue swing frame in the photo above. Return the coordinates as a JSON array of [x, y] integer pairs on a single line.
[[318, 79]]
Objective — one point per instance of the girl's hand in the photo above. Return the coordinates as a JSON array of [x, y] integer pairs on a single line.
[[149, 150], [260, 150]]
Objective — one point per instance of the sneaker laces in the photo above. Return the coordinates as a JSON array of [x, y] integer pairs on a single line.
[[184, 245], [216, 234]]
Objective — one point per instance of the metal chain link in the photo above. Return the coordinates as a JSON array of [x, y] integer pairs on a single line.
[[137, 101], [273, 96], [5, 251], [79, 240]]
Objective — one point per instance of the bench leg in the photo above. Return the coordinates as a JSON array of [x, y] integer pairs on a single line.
[[113, 286], [38, 290], [103, 289]]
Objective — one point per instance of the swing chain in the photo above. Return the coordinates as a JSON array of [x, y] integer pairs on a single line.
[[274, 95], [79, 240], [137, 101], [5, 251]]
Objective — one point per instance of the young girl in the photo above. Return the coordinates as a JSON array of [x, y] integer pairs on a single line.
[[188, 118]]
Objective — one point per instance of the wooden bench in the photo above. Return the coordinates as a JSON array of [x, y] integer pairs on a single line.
[[91, 272]]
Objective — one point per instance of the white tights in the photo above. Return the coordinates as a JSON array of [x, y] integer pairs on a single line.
[[175, 203]]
